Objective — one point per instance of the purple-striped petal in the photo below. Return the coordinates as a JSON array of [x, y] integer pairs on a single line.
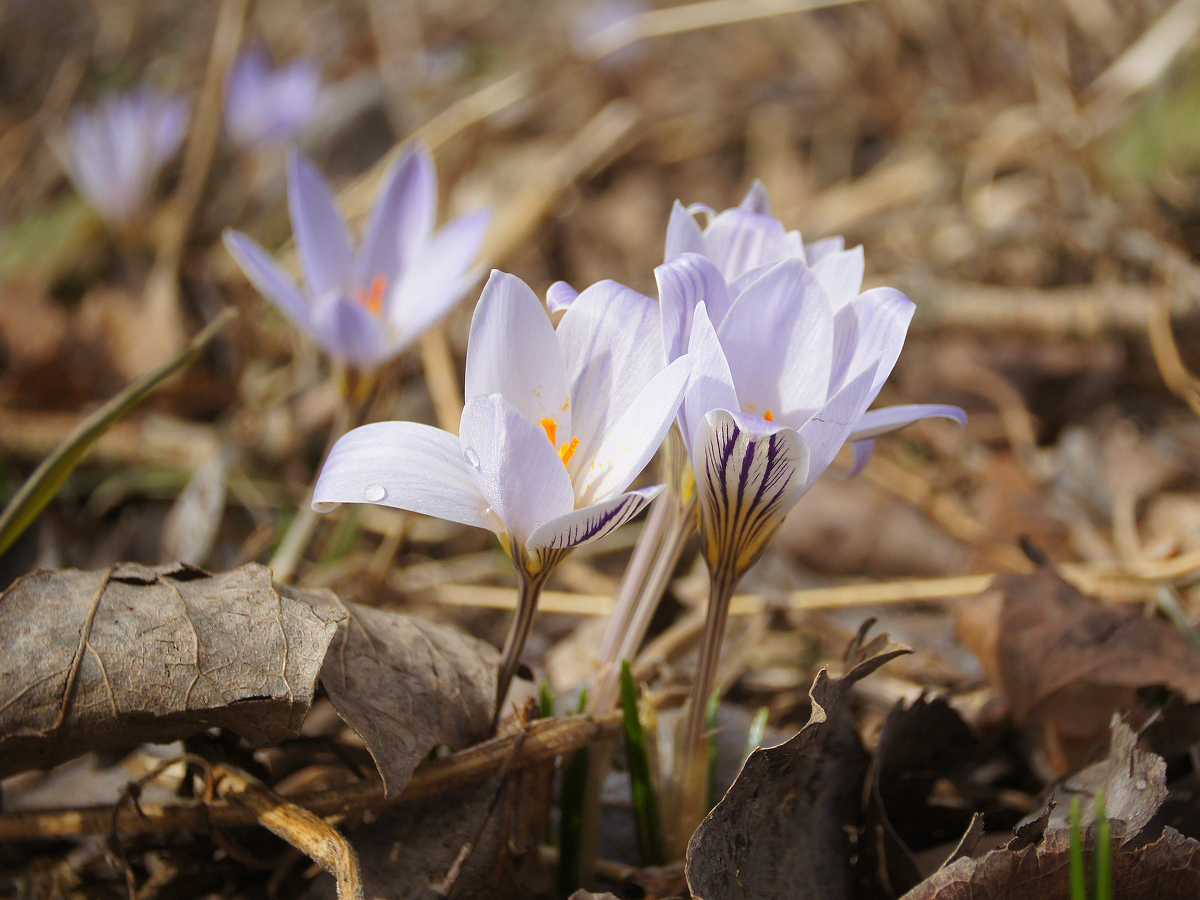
[[321, 235], [270, 279], [749, 474], [404, 465], [893, 418], [590, 523]]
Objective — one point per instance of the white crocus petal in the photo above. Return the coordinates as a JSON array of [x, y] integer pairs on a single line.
[[403, 465], [749, 474], [841, 275], [711, 384], [515, 467], [429, 290], [268, 276], [629, 445], [514, 352], [818, 250], [610, 339], [893, 418], [590, 523], [684, 282], [789, 372], [560, 296], [738, 241], [831, 425], [401, 220], [862, 455], [683, 234], [882, 316], [756, 200], [321, 235]]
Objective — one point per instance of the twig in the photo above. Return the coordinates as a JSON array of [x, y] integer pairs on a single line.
[[543, 739]]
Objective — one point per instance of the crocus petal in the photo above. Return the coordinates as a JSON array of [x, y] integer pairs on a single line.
[[738, 241], [832, 424], [592, 522], [349, 332], [629, 445], [267, 275], [778, 338], [610, 340], [560, 296], [749, 474], [711, 385], [403, 465], [518, 471], [882, 316], [683, 282], [862, 456], [320, 233], [169, 127], [841, 275], [893, 418], [428, 291], [756, 200], [683, 234], [402, 219], [818, 250], [512, 350]]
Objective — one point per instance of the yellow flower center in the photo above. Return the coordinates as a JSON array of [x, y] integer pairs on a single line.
[[567, 450], [372, 297]]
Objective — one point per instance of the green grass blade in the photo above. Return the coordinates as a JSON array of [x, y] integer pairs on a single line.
[[756, 732], [47, 478], [1078, 882], [641, 781], [570, 823], [545, 700], [1104, 851]]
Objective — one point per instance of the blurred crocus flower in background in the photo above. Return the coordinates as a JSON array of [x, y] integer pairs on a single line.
[[556, 425], [364, 308], [113, 152], [267, 106]]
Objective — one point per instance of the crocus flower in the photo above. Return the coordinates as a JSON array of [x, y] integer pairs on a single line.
[[363, 308], [788, 357], [266, 106], [557, 425], [114, 151]]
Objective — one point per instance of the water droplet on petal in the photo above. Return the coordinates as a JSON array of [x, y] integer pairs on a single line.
[[373, 493], [472, 457]]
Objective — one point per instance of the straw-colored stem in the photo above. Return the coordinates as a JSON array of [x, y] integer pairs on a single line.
[[529, 588]]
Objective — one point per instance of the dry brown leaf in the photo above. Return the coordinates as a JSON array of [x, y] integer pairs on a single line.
[[1064, 663], [779, 831], [1168, 869], [106, 660], [407, 686]]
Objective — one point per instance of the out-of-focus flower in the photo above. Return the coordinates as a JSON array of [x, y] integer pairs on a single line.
[[266, 106], [113, 152], [557, 424], [363, 308], [607, 30]]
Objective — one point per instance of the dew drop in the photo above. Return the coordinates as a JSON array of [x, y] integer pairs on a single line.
[[373, 493], [472, 457]]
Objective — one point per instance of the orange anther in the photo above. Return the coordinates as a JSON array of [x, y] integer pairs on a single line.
[[769, 416], [566, 451], [551, 429], [372, 297]]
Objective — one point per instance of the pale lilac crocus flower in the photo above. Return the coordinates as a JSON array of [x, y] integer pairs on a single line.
[[114, 151], [556, 426], [365, 307], [788, 357], [267, 106]]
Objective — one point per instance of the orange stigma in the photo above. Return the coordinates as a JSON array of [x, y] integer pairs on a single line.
[[769, 416], [566, 451], [372, 297]]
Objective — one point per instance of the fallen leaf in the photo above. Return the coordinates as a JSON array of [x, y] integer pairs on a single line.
[[407, 686], [1064, 663], [1168, 869], [107, 660], [780, 829]]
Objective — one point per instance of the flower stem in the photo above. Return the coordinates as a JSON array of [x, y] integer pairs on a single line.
[[529, 590]]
